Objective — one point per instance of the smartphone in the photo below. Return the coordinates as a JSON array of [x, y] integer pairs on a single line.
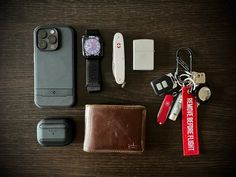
[[54, 66]]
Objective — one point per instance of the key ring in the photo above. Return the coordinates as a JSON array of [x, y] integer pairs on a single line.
[[179, 80], [191, 83]]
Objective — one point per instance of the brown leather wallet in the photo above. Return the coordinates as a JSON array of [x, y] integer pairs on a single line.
[[114, 128]]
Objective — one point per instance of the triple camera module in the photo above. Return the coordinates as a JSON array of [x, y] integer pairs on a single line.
[[47, 39]]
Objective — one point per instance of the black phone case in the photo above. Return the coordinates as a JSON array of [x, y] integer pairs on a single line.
[[54, 70]]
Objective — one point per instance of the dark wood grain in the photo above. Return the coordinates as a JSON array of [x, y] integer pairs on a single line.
[[208, 27]]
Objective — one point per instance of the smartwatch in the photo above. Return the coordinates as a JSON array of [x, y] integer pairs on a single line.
[[92, 50]]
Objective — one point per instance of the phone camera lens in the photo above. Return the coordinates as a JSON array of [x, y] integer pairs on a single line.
[[42, 44], [42, 34], [52, 39]]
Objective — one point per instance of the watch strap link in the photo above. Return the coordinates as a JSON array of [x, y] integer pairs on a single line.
[[93, 75]]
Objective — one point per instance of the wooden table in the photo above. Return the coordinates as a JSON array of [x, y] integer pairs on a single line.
[[208, 27]]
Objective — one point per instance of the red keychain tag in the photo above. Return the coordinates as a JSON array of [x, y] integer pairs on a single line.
[[165, 109], [189, 123]]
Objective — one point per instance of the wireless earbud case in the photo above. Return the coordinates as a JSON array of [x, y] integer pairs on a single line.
[[55, 131]]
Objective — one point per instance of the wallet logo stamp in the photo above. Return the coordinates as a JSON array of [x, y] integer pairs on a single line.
[[133, 146]]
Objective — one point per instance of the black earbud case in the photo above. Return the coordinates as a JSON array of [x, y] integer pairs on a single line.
[[55, 131]]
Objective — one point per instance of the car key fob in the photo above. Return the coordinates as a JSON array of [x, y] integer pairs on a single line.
[[166, 84]]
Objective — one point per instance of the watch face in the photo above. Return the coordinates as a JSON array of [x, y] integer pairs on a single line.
[[92, 46]]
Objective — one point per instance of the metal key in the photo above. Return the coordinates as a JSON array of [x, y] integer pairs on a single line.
[[199, 77]]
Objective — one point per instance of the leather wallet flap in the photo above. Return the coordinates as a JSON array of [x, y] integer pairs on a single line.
[[114, 128]]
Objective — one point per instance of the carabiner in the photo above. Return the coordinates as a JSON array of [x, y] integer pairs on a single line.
[[181, 62]]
